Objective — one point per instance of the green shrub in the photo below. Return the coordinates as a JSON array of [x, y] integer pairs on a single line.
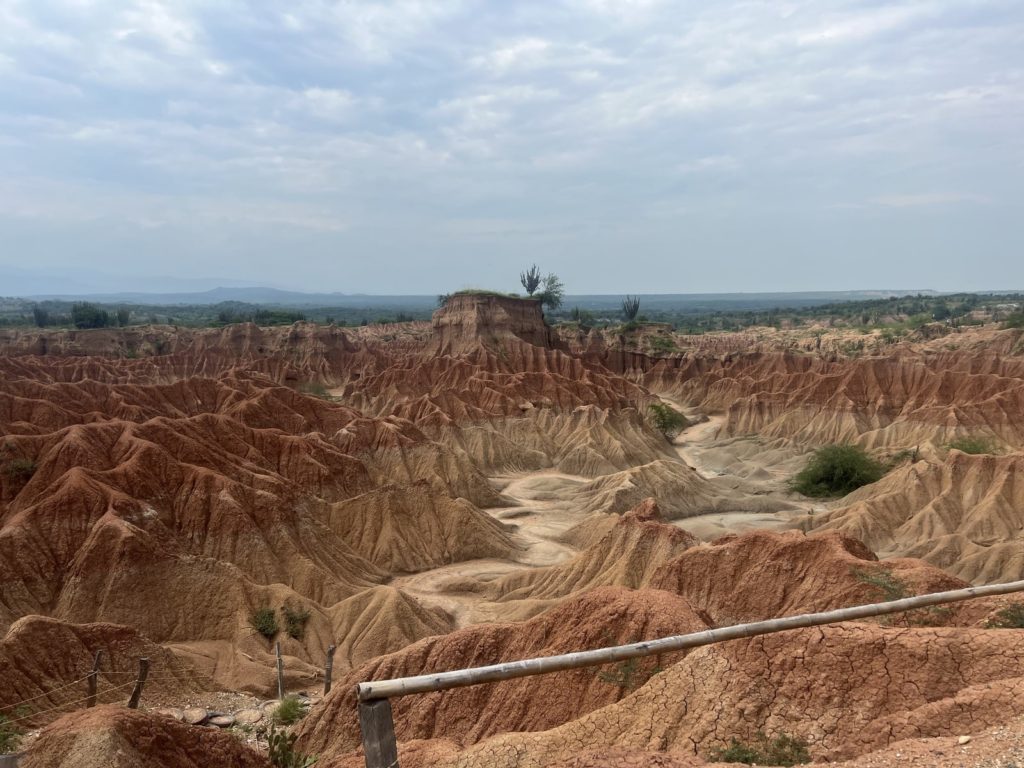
[[10, 736], [314, 388], [19, 470], [1015, 320], [667, 419], [630, 307], [783, 750], [290, 710], [281, 750], [888, 586], [628, 674], [295, 621], [1010, 617], [662, 344], [87, 315], [264, 621], [836, 470], [972, 445]]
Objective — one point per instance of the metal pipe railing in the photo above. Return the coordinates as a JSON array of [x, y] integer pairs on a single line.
[[374, 696]]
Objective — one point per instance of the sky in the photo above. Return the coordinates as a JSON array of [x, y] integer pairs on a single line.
[[416, 146]]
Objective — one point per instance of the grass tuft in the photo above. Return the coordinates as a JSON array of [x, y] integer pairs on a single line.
[[783, 750]]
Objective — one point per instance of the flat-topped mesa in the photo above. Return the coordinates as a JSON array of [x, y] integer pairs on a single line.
[[469, 320]]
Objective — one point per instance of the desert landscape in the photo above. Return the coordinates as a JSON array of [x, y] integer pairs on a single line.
[[489, 487]]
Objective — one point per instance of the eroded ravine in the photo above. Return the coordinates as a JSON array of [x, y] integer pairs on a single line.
[[544, 506]]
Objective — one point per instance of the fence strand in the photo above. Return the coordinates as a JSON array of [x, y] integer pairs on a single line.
[[46, 693], [69, 703]]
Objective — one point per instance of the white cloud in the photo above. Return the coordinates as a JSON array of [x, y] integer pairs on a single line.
[[602, 111], [926, 199]]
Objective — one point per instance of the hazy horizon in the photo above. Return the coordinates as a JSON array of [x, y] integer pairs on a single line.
[[420, 146]]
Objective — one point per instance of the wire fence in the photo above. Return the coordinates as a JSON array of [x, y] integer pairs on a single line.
[[7, 710]]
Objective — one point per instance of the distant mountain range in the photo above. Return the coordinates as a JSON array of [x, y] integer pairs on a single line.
[[276, 297]]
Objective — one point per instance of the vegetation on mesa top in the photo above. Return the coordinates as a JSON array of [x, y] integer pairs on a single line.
[[549, 290]]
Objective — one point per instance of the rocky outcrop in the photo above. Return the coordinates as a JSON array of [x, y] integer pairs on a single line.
[[115, 737], [468, 321]]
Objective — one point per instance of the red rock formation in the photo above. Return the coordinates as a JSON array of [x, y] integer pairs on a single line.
[[764, 574], [596, 618], [115, 737]]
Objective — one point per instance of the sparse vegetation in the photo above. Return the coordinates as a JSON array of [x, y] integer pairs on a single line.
[[836, 470], [314, 388], [553, 292], [1014, 320], [630, 307], [19, 470], [886, 584], [1010, 617], [530, 279], [662, 344], [887, 587], [281, 750], [295, 621], [10, 736], [907, 454], [290, 710], [628, 674], [264, 621], [972, 445], [783, 750], [84, 314], [667, 420], [900, 315], [582, 316]]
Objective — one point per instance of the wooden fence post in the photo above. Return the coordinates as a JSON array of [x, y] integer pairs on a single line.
[[328, 668], [133, 702], [91, 701], [378, 728], [280, 673]]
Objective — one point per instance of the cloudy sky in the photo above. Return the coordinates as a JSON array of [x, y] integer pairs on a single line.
[[415, 146]]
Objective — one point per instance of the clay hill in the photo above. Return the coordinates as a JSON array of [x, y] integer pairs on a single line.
[[115, 737], [963, 514], [488, 488]]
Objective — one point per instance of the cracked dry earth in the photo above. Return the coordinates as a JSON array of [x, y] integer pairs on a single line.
[[847, 690]]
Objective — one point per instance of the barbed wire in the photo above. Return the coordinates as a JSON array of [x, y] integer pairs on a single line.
[[12, 708], [68, 704], [46, 693]]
